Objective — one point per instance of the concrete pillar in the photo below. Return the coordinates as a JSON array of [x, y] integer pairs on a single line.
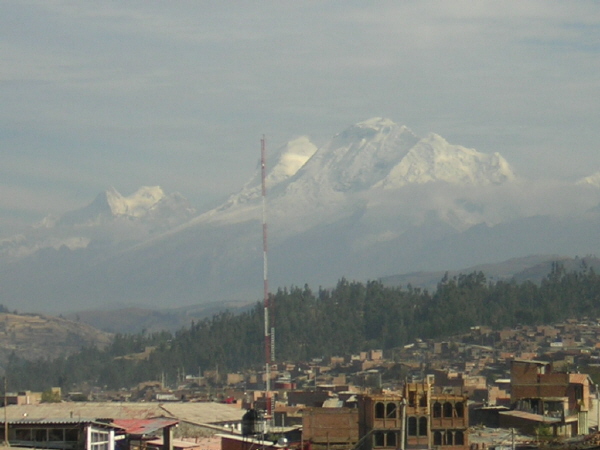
[[168, 438], [88, 438]]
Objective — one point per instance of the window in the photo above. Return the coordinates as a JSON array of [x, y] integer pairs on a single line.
[[55, 434], [71, 435], [40, 435], [412, 398], [422, 426], [437, 410], [99, 440], [423, 400], [460, 409], [391, 439], [459, 438], [447, 409], [23, 435], [437, 438], [447, 438], [379, 410], [390, 410], [378, 439], [412, 426]]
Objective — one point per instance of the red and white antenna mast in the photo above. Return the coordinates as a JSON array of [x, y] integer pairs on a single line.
[[269, 334]]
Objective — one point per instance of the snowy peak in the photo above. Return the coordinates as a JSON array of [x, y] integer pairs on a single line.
[[290, 159], [376, 128], [283, 164], [361, 155], [377, 153], [110, 218], [434, 159], [372, 154], [135, 205], [111, 204]]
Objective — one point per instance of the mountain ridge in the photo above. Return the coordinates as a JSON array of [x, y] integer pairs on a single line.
[[345, 209]]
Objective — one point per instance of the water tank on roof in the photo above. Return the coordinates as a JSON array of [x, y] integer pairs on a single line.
[[253, 422]]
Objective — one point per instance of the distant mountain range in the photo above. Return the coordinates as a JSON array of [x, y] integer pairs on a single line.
[[375, 201]]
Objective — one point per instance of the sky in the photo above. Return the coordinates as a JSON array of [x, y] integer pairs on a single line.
[[178, 94]]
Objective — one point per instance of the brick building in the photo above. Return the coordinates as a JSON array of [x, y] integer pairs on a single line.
[[544, 398], [449, 421], [380, 420], [330, 428], [417, 419]]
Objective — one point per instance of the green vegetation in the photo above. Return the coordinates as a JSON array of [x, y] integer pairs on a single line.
[[51, 396], [351, 317]]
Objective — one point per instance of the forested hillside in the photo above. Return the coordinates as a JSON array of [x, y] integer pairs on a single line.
[[351, 317]]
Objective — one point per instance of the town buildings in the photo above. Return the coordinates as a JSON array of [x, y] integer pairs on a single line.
[[425, 395]]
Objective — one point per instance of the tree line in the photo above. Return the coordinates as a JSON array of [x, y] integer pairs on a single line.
[[348, 318]]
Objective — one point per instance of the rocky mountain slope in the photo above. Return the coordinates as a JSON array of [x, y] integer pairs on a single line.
[[34, 336], [375, 200]]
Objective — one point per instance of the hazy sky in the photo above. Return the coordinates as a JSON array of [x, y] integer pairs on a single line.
[[178, 93]]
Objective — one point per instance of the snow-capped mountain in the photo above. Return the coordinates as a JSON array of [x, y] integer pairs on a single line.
[[357, 158], [286, 161], [111, 218], [379, 153], [147, 202], [375, 200], [434, 159], [338, 179]]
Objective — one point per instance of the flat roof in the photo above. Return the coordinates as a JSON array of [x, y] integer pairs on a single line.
[[530, 416], [531, 361]]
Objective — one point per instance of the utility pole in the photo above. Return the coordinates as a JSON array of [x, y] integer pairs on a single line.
[[597, 410], [6, 441], [512, 438], [269, 335], [403, 429]]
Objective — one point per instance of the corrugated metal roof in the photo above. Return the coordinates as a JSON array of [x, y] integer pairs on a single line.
[[28, 421], [200, 412], [203, 413], [530, 416], [83, 411], [177, 443], [144, 427]]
